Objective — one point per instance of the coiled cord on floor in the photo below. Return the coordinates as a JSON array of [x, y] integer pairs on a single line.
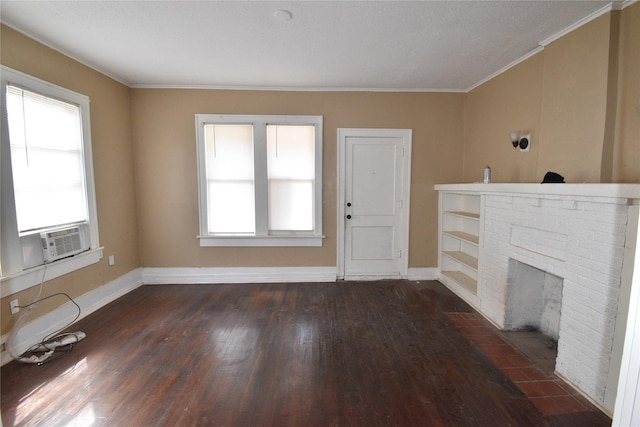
[[45, 345]]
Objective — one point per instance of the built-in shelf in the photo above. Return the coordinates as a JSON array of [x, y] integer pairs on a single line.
[[469, 283], [459, 242], [464, 236], [464, 258], [464, 214]]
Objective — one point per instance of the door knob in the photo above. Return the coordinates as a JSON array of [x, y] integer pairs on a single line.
[[348, 216]]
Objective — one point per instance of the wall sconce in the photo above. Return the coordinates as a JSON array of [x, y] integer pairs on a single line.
[[521, 139]]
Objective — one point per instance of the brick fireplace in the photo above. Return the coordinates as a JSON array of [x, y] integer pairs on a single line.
[[581, 239]]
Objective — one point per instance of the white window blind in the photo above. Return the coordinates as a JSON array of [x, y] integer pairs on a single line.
[[230, 180], [47, 160], [291, 175]]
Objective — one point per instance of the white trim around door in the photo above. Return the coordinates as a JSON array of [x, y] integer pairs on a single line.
[[404, 177]]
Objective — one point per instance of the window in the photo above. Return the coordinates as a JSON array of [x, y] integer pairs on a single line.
[[260, 180], [46, 171], [45, 136]]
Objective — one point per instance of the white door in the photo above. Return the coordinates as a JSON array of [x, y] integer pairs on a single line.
[[373, 202]]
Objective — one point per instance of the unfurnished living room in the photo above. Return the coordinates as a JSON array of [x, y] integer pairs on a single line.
[[328, 213]]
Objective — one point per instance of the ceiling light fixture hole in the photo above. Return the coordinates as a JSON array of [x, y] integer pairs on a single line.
[[283, 15]]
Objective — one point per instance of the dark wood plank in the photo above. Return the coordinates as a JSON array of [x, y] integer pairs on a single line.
[[339, 354]]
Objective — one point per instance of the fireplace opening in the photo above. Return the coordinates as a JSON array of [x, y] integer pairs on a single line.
[[534, 300]]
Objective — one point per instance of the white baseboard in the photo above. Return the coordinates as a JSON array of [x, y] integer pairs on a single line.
[[423, 273], [217, 275], [32, 332]]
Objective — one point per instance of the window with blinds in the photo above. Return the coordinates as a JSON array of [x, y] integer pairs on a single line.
[[46, 178], [260, 180], [47, 163], [291, 176], [230, 178]]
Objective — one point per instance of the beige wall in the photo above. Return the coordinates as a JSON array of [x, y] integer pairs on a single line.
[[626, 156], [574, 103], [496, 108], [575, 96], [165, 152], [112, 159]]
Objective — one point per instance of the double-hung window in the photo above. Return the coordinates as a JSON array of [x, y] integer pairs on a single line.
[[48, 202], [260, 180]]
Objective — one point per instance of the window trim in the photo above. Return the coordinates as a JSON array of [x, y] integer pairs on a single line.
[[262, 237], [15, 276]]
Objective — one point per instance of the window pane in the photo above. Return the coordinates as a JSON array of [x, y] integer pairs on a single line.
[[230, 181], [291, 175], [47, 160]]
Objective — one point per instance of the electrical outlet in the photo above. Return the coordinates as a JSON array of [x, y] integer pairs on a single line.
[[14, 306], [112, 260]]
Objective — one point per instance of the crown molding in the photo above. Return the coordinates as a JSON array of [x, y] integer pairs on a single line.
[[294, 88], [598, 13], [544, 43], [624, 4], [505, 68], [67, 54]]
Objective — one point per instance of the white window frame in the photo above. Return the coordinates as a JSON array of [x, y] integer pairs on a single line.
[[261, 236], [15, 275]]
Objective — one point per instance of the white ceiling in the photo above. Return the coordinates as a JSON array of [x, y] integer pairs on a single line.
[[343, 45]]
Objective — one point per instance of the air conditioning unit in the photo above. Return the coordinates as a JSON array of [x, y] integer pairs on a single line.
[[61, 243]]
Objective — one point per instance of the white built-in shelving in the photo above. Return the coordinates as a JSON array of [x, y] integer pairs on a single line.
[[459, 242]]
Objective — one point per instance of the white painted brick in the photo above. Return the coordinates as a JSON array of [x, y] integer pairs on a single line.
[[584, 215], [613, 270], [606, 297], [576, 251], [553, 212], [578, 238], [578, 233], [611, 239], [601, 327], [504, 198], [612, 218], [520, 204], [574, 316], [599, 250], [581, 229], [578, 367], [589, 356], [551, 202], [596, 279], [603, 307], [570, 276], [569, 204], [590, 330], [614, 205]]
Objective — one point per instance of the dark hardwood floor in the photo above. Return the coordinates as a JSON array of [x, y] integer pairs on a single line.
[[339, 354]]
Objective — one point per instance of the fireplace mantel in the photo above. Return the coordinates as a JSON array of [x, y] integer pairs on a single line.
[[628, 191], [583, 233]]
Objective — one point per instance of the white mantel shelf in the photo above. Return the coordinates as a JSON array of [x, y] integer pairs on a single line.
[[628, 191]]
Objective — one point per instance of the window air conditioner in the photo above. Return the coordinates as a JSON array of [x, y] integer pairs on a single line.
[[61, 243]]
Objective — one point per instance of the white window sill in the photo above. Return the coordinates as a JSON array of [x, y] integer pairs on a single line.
[[17, 282], [261, 241]]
